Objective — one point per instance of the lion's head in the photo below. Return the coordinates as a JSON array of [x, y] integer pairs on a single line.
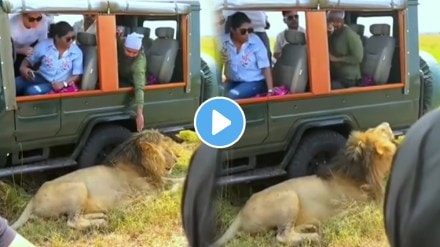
[[366, 159], [150, 152]]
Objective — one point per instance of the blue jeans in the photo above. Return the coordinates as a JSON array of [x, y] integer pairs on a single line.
[[245, 89], [36, 87]]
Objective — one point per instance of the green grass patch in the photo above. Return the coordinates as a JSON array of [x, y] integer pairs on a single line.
[[431, 44]]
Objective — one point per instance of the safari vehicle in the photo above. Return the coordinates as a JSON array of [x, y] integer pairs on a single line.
[[59, 130], [288, 134]]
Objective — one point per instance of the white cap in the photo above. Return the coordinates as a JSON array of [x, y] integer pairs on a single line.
[[134, 41]]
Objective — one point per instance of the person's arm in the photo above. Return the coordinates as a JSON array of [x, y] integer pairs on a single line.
[[355, 48], [278, 46], [139, 71], [263, 63], [77, 68]]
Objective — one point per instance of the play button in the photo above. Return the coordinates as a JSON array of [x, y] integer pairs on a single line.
[[219, 122]]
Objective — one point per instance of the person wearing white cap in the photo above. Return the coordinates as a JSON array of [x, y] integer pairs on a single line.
[[132, 66]]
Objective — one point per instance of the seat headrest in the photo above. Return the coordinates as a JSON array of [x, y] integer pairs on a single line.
[[165, 32], [143, 30], [295, 37], [382, 29], [84, 38], [358, 28]]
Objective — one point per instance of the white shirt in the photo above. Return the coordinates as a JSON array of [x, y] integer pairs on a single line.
[[23, 36], [281, 40], [258, 18]]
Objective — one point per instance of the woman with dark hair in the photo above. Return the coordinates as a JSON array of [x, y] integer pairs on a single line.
[[247, 66], [60, 59]]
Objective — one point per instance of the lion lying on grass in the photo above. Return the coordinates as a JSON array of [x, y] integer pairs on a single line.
[[297, 206], [139, 166]]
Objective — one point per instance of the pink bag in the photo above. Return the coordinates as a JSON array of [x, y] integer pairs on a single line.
[[70, 89], [276, 91]]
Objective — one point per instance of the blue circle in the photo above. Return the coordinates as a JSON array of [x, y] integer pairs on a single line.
[[223, 110]]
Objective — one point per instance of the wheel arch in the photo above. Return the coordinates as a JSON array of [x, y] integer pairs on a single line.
[[342, 124], [124, 120]]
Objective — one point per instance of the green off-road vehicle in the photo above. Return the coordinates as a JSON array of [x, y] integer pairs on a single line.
[[289, 134]]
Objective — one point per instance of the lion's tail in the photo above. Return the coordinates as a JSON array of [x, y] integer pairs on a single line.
[[230, 232], [24, 216]]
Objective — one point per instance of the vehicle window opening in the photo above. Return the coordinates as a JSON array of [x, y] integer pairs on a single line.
[[162, 45], [381, 62], [88, 48]]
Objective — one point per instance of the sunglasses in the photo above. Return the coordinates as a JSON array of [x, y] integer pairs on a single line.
[[35, 19], [243, 31], [70, 38], [291, 17]]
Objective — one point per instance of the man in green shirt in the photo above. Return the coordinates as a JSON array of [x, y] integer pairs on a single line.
[[346, 52], [132, 66]]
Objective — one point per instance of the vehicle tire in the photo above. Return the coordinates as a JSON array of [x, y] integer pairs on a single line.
[[314, 150], [428, 85], [101, 142]]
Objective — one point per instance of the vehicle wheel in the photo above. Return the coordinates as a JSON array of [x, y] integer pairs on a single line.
[[101, 142], [428, 85], [314, 150]]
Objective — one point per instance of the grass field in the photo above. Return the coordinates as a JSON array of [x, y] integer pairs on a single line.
[[431, 44], [158, 223]]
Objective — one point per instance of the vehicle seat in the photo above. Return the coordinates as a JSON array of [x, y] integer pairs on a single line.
[[162, 55], [291, 69], [146, 41], [359, 29], [379, 50], [88, 45]]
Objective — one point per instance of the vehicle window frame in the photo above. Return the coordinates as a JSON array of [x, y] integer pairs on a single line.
[[107, 84]]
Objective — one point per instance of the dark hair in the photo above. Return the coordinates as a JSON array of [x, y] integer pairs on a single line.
[[285, 12], [237, 19], [59, 29]]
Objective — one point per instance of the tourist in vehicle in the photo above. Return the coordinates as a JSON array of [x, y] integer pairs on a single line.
[[87, 24], [346, 52], [132, 65], [247, 67], [291, 19], [259, 22], [27, 29], [60, 59]]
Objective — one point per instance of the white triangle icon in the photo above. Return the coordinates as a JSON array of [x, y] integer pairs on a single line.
[[219, 122]]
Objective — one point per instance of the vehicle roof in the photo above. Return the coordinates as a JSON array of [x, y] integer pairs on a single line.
[[314, 4], [104, 6]]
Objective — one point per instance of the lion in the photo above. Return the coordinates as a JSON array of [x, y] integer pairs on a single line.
[[297, 207], [138, 166]]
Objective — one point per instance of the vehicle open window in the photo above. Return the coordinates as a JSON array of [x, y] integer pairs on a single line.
[[83, 43], [163, 46], [284, 35], [373, 58]]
